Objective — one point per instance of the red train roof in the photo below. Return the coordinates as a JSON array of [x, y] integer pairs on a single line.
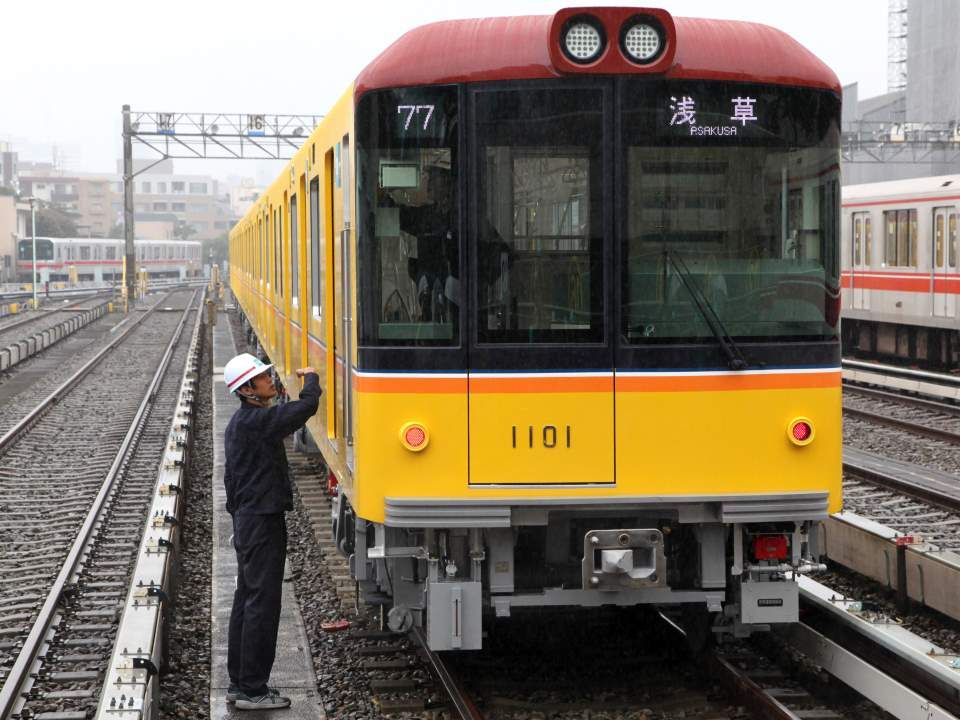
[[518, 48]]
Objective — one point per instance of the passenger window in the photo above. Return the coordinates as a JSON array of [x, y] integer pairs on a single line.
[[952, 239], [316, 249], [938, 241], [868, 239], [540, 239], [901, 238], [857, 230], [890, 238], [278, 251], [912, 257], [294, 253]]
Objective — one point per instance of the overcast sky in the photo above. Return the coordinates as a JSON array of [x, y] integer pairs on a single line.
[[70, 66]]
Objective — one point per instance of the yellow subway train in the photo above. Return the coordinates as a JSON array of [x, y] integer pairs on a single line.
[[572, 285]]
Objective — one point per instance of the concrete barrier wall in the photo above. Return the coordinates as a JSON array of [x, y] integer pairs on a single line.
[[933, 575], [22, 349]]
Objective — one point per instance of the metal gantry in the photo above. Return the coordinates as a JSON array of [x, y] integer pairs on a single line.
[[906, 142], [201, 135]]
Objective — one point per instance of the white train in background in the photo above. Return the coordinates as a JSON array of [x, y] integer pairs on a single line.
[[901, 270], [78, 260]]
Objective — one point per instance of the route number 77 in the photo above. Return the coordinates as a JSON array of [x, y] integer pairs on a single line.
[[412, 110]]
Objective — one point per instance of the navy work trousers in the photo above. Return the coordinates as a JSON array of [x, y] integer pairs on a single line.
[[261, 545]]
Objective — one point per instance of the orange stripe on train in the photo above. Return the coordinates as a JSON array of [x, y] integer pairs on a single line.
[[720, 383], [653, 382]]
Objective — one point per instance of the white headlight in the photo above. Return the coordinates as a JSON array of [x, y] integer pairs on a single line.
[[642, 42], [583, 41]]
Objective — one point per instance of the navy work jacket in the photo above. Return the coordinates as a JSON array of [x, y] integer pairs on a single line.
[[256, 476]]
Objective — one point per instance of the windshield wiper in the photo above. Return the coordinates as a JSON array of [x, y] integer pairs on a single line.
[[735, 359]]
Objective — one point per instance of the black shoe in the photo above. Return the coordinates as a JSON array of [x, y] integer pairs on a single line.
[[273, 700], [233, 692]]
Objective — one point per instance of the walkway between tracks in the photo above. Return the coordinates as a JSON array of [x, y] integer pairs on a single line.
[[293, 670]]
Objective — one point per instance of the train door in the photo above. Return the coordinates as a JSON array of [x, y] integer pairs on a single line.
[[346, 303], [944, 254], [860, 262], [331, 179], [539, 260]]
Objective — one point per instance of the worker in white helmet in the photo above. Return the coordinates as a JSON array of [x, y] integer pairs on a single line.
[[257, 481]]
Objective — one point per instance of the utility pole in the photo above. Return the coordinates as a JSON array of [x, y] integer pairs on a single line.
[[33, 234], [129, 261]]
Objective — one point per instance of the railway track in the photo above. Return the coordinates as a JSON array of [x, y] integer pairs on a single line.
[[928, 418], [71, 532], [939, 386], [40, 320], [33, 335]]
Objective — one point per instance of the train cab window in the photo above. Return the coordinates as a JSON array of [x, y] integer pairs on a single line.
[[294, 253], [539, 252], [407, 217], [44, 249], [731, 200]]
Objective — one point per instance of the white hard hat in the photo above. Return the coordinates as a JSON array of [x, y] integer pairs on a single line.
[[242, 368]]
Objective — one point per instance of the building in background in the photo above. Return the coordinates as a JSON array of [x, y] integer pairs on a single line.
[[923, 72], [169, 204], [8, 237], [8, 167], [86, 196], [199, 210]]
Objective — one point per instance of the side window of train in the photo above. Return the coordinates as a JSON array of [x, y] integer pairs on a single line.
[[277, 254], [900, 242], [867, 239], [938, 232], [316, 249], [407, 217], [862, 239], [294, 253], [857, 238], [952, 240]]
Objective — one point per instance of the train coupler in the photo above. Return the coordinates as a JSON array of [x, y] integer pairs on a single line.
[[620, 559]]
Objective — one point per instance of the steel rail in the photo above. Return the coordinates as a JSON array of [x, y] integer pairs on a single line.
[[70, 383], [464, 706], [900, 671], [747, 692], [895, 371], [923, 403], [947, 498], [918, 428], [22, 668], [141, 624]]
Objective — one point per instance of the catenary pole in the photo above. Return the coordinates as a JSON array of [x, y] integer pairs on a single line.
[[33, 234], [129, 252]]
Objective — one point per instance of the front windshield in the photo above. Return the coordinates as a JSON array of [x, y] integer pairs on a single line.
[[741, 184]]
